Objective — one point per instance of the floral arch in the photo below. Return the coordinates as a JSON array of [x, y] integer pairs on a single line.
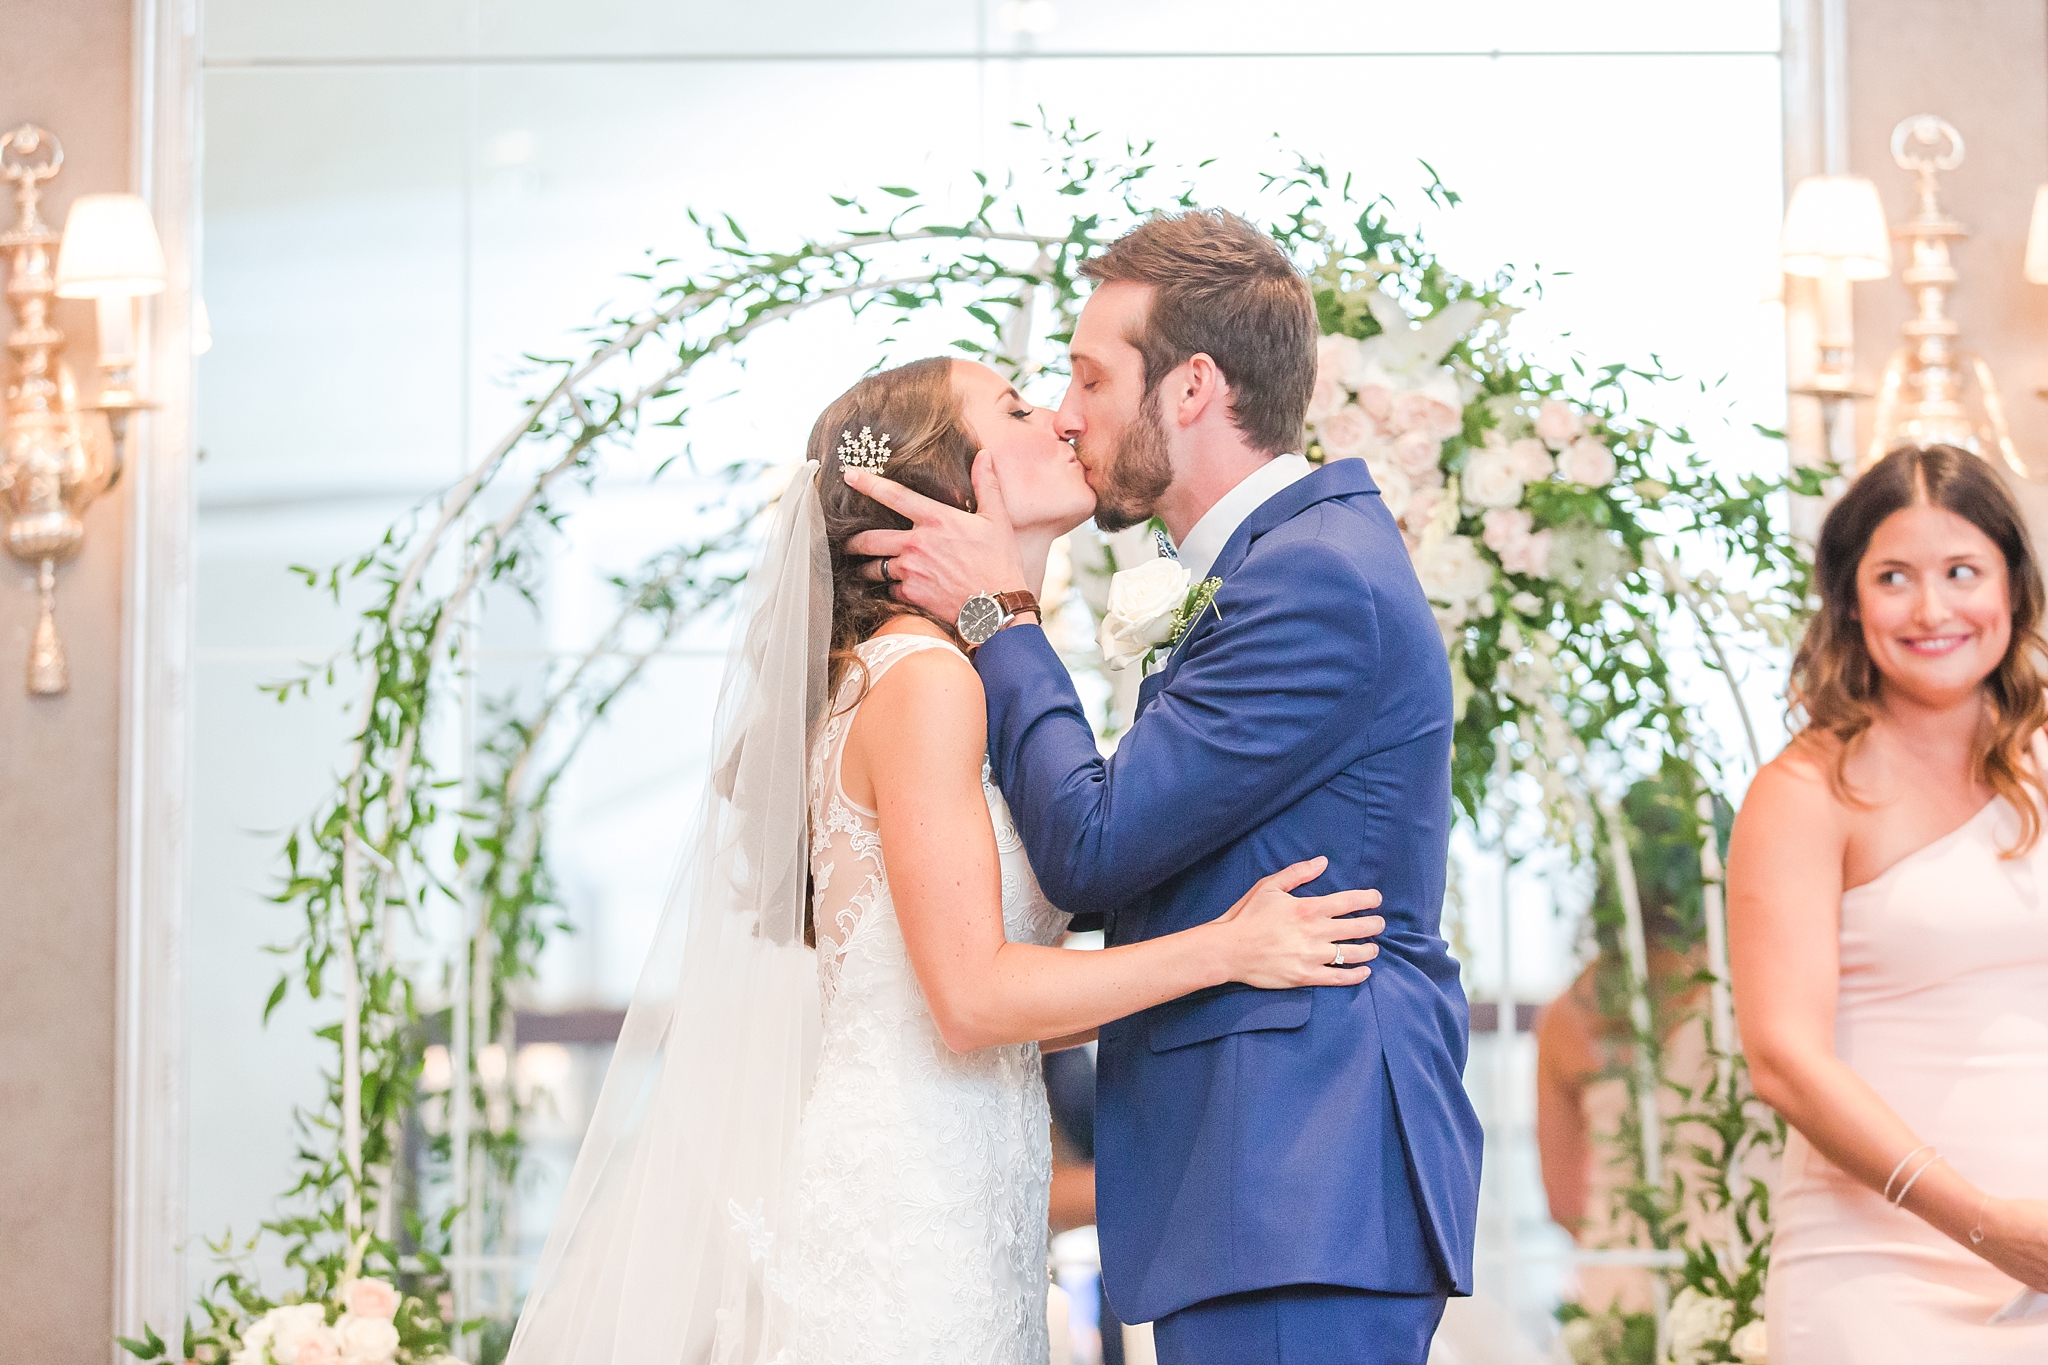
[[1546, 522]]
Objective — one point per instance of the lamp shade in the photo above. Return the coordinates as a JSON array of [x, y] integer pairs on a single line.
[[1836, 219], [2037, 240], [110, 248]]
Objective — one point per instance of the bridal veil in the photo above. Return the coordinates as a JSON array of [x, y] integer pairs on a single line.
[[661, 1251]]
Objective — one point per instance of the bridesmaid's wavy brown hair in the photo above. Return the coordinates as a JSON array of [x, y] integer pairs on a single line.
[[931, 451], [1834, 681]]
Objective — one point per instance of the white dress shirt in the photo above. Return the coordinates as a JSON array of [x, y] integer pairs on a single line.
[[1209, 535]]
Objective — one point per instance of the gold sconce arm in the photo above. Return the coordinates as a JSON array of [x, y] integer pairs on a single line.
[[53, 461]]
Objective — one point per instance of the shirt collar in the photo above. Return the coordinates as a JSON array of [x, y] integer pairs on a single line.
[[1210, 534]]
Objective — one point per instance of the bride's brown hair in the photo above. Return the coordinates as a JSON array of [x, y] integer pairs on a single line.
[[1834, 681], [930, 450]]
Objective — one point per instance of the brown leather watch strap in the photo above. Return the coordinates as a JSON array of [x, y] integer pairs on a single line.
[[1019, 601]]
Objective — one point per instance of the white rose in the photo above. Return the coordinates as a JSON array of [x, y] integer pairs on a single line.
[[1417, 452], [1505, 526], [1528, 555], [1532, 460], [294, 1327], [1558, 424], [1142, 605], [1341, 358], [1396, 491], [1490, 480], [1348, 432], [367, 1341], [1587, 461], [1696, 1323], [370, 1298], [1422, 505], [1452, 572], [1325, 399], [1450, 625], [256, 1340], [1426, 414], [1749, 1344]]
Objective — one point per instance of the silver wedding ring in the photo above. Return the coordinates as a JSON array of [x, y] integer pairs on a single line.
[[885, 570], [1340, 957]]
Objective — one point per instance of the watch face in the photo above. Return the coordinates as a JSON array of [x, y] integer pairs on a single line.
[[980, 618]]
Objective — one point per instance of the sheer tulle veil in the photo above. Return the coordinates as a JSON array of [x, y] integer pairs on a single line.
[[663, 1248]]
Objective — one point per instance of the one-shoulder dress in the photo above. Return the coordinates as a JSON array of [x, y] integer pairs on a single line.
[[1944, 1011]]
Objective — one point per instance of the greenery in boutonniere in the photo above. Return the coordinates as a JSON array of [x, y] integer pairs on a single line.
[[1200, 598]]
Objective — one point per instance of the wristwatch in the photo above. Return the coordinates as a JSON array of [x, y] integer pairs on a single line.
[[983, 614]]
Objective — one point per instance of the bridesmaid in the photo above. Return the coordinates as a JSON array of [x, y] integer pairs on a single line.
[[1888, 924]]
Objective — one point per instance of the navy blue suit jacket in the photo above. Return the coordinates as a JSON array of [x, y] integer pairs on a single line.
[[1249, 1139]]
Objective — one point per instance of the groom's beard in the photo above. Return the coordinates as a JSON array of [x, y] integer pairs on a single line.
[[1138, 473]]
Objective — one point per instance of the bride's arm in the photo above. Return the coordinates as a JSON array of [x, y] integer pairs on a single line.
[[1784, 923], [917, 743]]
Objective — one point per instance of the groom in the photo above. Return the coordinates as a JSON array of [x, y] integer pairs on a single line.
[[1282, 1176]]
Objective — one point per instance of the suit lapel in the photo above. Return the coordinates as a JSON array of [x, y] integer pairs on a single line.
[[1337, 479], [1148, 690]]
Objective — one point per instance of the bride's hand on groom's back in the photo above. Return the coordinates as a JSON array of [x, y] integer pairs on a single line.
[[1280, 940]]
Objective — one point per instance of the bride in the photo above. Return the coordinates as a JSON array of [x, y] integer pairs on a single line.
[[824, 1139]]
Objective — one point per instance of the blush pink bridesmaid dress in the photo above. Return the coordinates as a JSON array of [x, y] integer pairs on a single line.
[[1944, 1011]]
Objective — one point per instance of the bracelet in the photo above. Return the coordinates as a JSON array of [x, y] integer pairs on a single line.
[[1906, 1188], [1977, 1232], [1893, 1177]]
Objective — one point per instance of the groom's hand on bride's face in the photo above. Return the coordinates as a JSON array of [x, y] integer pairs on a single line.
[[947, 555]]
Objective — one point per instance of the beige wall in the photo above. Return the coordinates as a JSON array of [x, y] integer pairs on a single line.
[[1982, 65], [67, 68]]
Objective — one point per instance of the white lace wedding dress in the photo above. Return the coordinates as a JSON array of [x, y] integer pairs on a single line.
[[923, 1174]]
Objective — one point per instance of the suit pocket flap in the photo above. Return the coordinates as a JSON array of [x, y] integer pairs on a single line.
[[1246, 1009]]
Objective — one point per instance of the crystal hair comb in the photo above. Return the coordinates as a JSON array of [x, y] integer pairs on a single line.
[[867, 452]]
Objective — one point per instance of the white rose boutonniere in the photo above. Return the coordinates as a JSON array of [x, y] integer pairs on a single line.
[[1142, 605], [1150, 606]]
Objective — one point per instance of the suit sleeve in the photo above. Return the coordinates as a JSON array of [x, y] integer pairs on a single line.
[[1270, 701]]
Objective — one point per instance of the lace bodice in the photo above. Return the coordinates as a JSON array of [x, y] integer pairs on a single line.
[[924, 1173]]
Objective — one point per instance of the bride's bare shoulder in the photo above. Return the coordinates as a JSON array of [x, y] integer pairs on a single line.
[[932, 694]]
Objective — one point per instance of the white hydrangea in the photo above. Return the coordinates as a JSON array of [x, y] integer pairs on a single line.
[[1696, 1325]]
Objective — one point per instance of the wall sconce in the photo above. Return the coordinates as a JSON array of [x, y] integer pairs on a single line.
[[2036, 268], [111, 255], [1934, 392], [53, 461], [1835, 233]]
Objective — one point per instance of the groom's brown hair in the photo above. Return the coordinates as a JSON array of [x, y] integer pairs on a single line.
[[1223, 289]]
